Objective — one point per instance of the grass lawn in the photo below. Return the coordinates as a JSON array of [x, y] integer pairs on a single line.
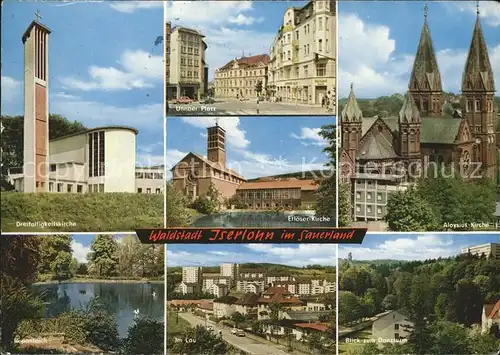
[[347, 348], [176, 326], [72, 212]]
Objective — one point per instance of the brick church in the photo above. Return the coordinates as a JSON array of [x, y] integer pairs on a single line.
[[378, 153]]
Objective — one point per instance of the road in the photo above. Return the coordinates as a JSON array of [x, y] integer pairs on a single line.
[[233, 107], [244, 343]]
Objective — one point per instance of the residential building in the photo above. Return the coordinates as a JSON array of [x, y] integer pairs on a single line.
[[304, 288], [490, 317], [252, 274], [315, 305], [302, 66], [192, 274], [189, 287], [248, 304], [391, 325], [255, 285], [208, 281], [290, 286], [224, 306], [488, 250], [186, 59], [244, 77], [383, 154], [229, 270], [277, 277], [150, 180], [206, 307], [277, 295], [219, 290]]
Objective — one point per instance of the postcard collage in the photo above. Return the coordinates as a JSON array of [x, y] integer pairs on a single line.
[[242, 120]]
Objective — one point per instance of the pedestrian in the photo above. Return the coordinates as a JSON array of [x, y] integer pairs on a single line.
[[323, 101]]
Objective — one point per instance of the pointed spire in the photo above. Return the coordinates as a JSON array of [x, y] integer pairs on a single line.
[[478, 74], [351, 111], [425, 75], [409, 113]]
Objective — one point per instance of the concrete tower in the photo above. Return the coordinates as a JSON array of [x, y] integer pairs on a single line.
[[36, 107], [216, 149]]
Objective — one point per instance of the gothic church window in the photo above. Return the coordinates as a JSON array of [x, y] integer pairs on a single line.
[[478, 105], [468, 107]]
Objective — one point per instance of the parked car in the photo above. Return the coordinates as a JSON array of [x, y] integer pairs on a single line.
[[209, 100], [234, 330], [184, 100], [240, 333]]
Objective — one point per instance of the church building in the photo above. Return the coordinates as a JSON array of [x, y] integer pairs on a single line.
[[380, 155], [193, 175]]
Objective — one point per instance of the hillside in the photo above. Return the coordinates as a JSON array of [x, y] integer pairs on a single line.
[[390, 105], [90, 212]]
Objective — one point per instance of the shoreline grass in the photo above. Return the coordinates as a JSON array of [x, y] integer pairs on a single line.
[[91, 280]]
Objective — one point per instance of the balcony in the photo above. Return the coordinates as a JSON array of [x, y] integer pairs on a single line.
[[295, 42]]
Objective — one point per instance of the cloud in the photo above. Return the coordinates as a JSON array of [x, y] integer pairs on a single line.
[[298, 256], [384, 72], [132, 6], [196, 13], [244, 20], [422, 247], [11, 89], [216, 20], [310, 136], [488, 10], [235, 136], [146, 154], [80, 251], [94, 114], [138, 70]]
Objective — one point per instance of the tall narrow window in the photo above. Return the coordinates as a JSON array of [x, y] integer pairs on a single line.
[[96, 154], [91, 161], [101, 153]]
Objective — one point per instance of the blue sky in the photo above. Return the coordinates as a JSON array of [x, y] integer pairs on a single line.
[[104, 68], [414, 246], [378, 41], [286, 254], [232, 28], [256, 146]]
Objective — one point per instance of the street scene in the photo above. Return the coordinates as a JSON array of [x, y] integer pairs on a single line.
[[420, 294], [246, 298], [271, 58]]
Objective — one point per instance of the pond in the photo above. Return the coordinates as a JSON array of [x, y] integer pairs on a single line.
[[121, 299], [262, 219]]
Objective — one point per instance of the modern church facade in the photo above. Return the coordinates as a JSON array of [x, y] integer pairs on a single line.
[[101, 159]]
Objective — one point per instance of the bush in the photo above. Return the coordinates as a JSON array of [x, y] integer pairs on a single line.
[[90, 212], [145, 337]]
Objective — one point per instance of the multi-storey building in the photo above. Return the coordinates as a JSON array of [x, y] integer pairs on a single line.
[[187, 73], [229, 270], [302, 66], [255, 285], [382, 154], [192, 274], [489, 250], [208, 281], [244, 77]]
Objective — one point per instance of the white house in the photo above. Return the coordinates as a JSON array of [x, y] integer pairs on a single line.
[[490, 316], [391, 325]]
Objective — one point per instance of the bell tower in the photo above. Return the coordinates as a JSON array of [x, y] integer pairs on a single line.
[[36, 106], [478, 90], [351, 123], [216, 144]]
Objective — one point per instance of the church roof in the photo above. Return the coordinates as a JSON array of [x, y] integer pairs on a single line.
[[212, 164], [478, 67], [351, 111], [409, 112], [433, 130], [425, 67], [376, 147]]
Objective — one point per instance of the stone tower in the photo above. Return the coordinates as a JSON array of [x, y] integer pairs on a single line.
[[425, 81], [216, 145], [409, 123], [351, 122], [478, 90], [36, 107]]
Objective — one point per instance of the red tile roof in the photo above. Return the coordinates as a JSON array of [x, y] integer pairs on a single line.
[[493, 310], [248, 61], [279, 295]]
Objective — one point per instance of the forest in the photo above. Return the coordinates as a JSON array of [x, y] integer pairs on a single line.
[[442, 297]]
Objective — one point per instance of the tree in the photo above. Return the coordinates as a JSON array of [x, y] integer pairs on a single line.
[[408, 211], [390, 302], [56, 255], [20, 258], [103, 258], [350, 306], [326, 194], [449, 338], [177, 214], [145, 337], [469, 303], [237, 318], [235, 201], [197, 341]]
